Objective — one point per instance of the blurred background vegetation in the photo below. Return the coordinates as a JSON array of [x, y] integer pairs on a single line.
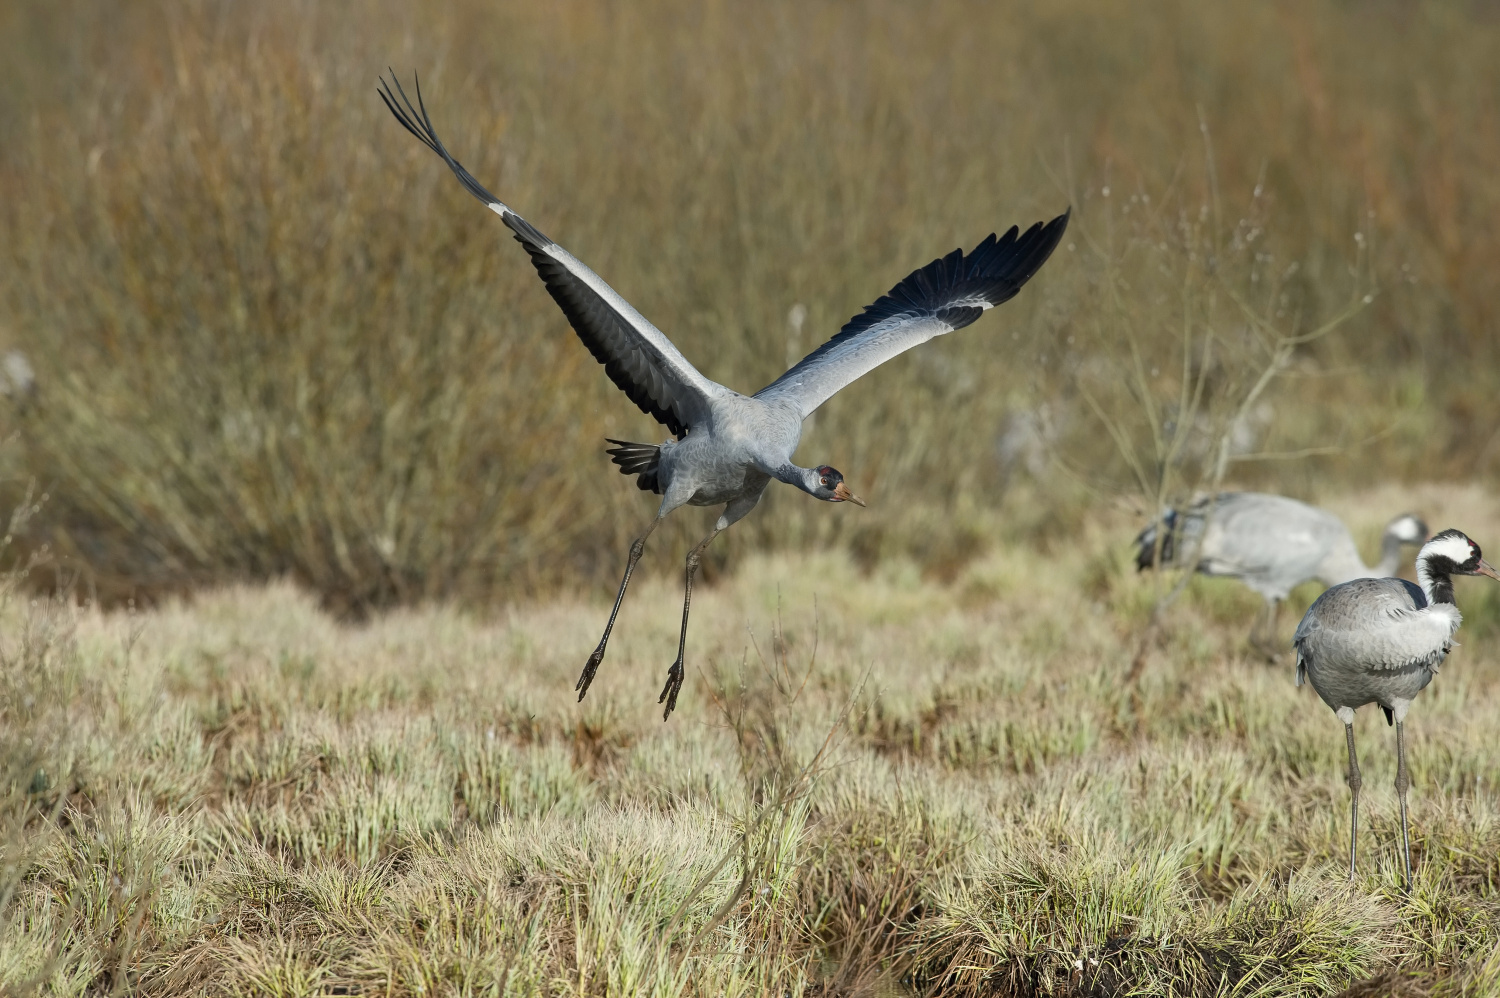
[[271, 336]]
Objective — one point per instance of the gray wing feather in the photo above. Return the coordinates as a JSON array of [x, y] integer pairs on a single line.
[[945, 295], [637, 356], [809, 385]]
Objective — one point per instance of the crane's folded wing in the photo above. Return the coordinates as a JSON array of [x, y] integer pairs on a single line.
[[1377, 624]]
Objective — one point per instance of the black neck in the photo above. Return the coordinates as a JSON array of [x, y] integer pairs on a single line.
[[1436, 583], [793, 475]]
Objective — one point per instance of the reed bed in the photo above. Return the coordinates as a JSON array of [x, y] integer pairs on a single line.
[[271, 336]]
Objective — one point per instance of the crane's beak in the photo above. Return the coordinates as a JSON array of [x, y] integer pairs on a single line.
[[1485, 568], [842, 494]]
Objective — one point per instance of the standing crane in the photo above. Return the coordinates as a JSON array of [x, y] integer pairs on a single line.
[[727, 447], [1272, 544], [1381, 641]]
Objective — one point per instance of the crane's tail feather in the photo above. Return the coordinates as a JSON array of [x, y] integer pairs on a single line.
[[641, 460], [1145, 555]]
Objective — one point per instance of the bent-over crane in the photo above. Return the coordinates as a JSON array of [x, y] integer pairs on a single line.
[[1272, 544]]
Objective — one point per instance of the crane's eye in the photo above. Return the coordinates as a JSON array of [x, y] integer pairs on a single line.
[[825, 482]]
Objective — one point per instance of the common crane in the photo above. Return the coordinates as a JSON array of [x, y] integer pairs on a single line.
[[1381, 641], [727, 447], [1272, 544]]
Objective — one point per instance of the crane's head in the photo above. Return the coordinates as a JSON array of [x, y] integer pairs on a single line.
[[1450, 552], [1408, 529], [827, 484]]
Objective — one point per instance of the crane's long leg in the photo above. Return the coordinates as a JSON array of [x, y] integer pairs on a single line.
[[732, 512], [592, 666], [675, 673], [1354, 784], [1403, 781], [1263, 634]]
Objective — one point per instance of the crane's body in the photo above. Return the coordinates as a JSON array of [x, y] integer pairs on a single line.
[[1382, 641], [1374, 641], [726, 448], [742, 446], [1272, 544]]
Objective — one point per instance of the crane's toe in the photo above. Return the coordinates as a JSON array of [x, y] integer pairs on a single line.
[[587, 678], [669, 692]]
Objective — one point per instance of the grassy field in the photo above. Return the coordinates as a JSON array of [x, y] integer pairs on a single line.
[[877, 783], [322, 527]]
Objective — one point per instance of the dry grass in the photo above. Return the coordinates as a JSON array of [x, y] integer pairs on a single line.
[[272, 336], [273, 340], [240, 796]]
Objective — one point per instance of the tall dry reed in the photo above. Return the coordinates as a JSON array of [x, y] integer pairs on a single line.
[[272, 336]]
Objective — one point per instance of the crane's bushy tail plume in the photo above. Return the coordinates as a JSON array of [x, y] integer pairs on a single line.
[[637, 459], [1145, 555]]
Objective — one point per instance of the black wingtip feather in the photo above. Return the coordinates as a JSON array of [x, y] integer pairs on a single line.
[[994, 271], [415, 120]]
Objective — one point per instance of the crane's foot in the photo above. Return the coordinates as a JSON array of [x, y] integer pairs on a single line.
[[669, 692], [589, 668]]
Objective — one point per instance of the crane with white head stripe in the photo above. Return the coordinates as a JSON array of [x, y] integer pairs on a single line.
[[1382, 641]]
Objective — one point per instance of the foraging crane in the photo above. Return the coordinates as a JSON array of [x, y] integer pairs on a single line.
[[1272, 544], [1381, 641], [728, 447]]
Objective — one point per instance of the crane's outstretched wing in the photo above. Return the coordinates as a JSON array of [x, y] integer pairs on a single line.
[[945, 295], [637, 356]]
